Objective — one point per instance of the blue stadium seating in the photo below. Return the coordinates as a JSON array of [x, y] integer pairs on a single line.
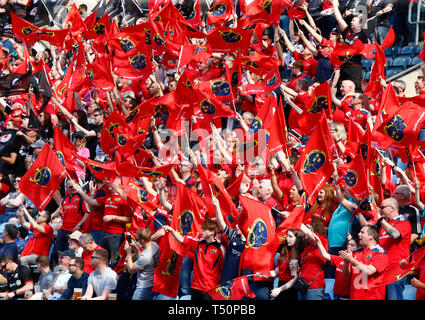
[[389, 61], [401, 61], [367, 63], [392, 51], [367, 76], [415, 61], [393, 70], [410, 50]]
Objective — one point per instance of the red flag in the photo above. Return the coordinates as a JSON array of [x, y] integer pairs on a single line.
[[75, 21], [167, 274], [316, 163], [139, 197], [134, 64], [210, 182], [227, 40], [195, 17], [30, 34], [97, 28], [220, 13], [188, 214], [279, 132], [375, 169], [355, 177], [99, 72], [194, 53], [388, 105], [320, 100], [107, 139], [102, 171], [389, 39], [343, 52], [65, 151], [391, 274], [127, 169], [421, 55], [118, 264], [294, 13], [374, 88], [43, 178], [295, 218], [258, 226], [404, 124], [265, 11], [234, 289], [233, 189], [259, 64]]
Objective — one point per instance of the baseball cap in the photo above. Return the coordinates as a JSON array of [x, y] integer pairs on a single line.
[[67, 253], [38, 144], [77, 134]]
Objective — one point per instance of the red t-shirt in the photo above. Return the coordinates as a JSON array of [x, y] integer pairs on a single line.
[[86, 256], [208, 263], [284, 270], [301, 101], [420, 293], [310, 65], [95, 218], [40, 243], [116, 206], [376, 257], [342, 282], [72, 213], [312, 262], [397, 249]]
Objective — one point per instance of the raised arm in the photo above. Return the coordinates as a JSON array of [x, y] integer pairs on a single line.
[[341, 22]]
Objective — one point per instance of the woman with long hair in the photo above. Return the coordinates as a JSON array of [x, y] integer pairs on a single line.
[[323, 206], [287, 265], [46, 130], [79, 141]]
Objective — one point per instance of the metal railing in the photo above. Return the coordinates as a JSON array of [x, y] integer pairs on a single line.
[[416, 7]]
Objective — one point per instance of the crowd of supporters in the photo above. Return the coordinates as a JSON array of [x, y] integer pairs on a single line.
[[190, 170]]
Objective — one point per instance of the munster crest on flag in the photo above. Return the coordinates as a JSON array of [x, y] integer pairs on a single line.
[[43, 178], [234, 289]]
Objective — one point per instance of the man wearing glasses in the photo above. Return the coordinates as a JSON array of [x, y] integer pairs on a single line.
[[78, 278], [103, 280], [19, 278], [73, 213], [394, 238], [42, 235]]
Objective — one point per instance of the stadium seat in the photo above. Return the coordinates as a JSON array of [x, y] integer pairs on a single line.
[[392, 51], [409, 50], [367, 64], [415, 61], [367, 76], [402, 61], [393, 71], [389, 61]]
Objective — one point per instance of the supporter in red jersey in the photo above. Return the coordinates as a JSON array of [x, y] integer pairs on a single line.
[[394, 238], [42, 236], [341, 289], [89, 245], [323, 207], [73, 213], [208, 260], [312, 264], [364, 265], [117, 213], [287, 265]]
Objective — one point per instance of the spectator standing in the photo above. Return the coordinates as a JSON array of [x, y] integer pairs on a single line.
[[394, 238], [145, 264], [9, 245]]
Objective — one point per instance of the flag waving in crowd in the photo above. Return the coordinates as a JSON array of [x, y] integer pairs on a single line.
[[204, 149]]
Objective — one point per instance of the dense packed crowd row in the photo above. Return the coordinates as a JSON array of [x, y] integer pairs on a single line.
[[236, 155]]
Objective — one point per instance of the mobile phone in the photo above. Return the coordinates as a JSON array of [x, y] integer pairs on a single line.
[[128, 238]]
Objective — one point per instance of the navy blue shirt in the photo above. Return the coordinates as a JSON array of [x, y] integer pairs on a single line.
[[74, 283], [324, 68], [233, 255], [10, 249]]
